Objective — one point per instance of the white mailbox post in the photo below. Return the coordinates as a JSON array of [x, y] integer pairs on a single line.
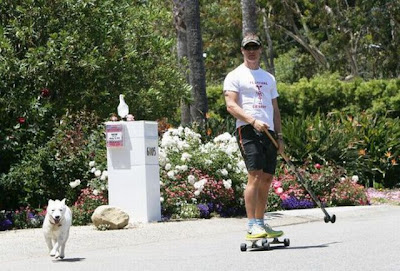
[[133, 169]]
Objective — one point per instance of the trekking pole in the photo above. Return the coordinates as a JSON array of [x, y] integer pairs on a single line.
[[327, 217]]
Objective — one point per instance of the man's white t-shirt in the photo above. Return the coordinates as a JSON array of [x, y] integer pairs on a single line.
[[256, 90]]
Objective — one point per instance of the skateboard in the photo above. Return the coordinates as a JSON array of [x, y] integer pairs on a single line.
[[263, 243]]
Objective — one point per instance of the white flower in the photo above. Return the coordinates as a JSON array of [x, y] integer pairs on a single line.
[[95, 192], [225, 137], [171, 174], [227, 183], [161, 199], [223, 172], [97, 173], [93, 170], [92, 163], [162, 157], [75, 183], [104, 175], [200, 184], [197, 192], [186, 156], [208, 162], [342, 179], [191, 179], [182, 168], [168, 166], [354, 178]]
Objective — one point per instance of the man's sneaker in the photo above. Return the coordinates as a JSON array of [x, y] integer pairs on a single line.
[[256, 232], [271, 233]]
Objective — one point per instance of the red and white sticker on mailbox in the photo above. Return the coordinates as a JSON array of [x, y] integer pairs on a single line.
[[114, 135]]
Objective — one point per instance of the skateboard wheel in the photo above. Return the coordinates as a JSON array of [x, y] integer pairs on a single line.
[[286, 242], [327, 219], [333, 218], [266, 246], [243, 247], [264, 242]]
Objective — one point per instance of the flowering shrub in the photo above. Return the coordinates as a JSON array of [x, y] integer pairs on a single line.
[[87, 202], [348, 192], [324, 182], [209, 175], [23, 218]]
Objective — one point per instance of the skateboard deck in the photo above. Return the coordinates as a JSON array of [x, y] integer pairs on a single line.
[[263, 243]]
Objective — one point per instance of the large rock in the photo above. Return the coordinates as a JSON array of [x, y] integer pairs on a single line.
[[111, 216]]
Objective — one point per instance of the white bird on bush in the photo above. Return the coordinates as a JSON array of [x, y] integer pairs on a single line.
[[123, 108]]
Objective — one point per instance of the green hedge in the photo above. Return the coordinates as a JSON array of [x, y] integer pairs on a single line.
[[327, 93]]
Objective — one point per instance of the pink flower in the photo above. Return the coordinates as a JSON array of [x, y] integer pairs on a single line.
[[130, 117], [283, 196], [277, 184], [279, 190], [317, 166]]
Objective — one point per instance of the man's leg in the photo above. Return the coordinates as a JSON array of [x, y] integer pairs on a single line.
[[251, 201], [262, 199], [262, 194], [251, 193]]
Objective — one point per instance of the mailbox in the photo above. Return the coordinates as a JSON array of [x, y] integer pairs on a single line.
[[133, 169]]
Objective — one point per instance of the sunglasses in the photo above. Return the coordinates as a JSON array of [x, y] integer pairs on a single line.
[[252, 47]]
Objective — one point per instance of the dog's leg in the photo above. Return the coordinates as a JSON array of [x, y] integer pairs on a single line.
[[54, 251], [62, 250], [49, 243]]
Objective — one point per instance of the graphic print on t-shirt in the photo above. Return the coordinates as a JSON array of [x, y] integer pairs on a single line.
[[258, 99]]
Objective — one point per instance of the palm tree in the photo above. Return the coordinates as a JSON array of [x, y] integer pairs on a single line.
[[197, 76], [249, 16]]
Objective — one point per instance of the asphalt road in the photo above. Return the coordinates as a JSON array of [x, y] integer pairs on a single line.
[[363, 238]]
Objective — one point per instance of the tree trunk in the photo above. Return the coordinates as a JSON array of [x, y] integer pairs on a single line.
[[249, 16], [197, 75], [269, 51], [180, 26]]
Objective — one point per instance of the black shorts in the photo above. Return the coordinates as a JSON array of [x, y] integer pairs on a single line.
[[257, 149]]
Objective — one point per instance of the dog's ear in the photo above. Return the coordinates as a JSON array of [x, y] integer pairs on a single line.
[[63, 201], [50, 202]]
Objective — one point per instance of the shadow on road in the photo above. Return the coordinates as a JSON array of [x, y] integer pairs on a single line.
[[70, 260], [305, 247], [292, 247]]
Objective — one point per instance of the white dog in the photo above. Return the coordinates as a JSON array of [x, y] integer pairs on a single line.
[[56, 226]]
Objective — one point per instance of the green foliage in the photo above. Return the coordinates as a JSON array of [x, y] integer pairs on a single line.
[[327, 93], [44, 172], [293, 65], [365, 144], [216, 100], [58, 58]]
